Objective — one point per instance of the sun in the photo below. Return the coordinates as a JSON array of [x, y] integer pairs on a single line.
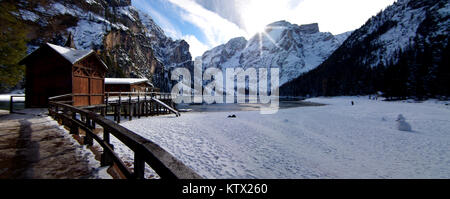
[[254, 24], [256, 15]]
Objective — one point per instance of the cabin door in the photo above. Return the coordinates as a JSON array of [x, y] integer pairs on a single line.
[[96, 90], [88, 83], [81, 91]]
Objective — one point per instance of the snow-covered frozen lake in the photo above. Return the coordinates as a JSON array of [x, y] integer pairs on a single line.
[[334, 141]]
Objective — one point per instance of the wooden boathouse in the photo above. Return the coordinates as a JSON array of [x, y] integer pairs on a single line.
[[54, 70]]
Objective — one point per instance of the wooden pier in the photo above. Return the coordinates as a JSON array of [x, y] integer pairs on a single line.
[[129, 104], [137, 105]]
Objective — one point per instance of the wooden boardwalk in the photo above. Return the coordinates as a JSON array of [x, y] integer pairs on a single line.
[[127, 104], [33, 146]]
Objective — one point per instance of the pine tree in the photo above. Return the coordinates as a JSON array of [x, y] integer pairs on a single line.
[[12, 46]]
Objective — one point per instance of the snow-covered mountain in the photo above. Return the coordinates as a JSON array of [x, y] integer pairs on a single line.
[[399, 27], [402, 51], [128, 40], [292, 48], [171, 53]]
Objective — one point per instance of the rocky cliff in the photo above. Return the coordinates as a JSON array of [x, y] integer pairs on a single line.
[[129, 41]]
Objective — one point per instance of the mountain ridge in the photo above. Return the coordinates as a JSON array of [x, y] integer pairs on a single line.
[[402, 51], [295, 49]]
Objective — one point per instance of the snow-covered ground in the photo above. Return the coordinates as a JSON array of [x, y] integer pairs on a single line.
[[334, 141], [7, 98], [83, 152]]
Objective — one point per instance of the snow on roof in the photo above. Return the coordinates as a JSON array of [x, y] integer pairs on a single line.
[[126, 80], [72, 55]]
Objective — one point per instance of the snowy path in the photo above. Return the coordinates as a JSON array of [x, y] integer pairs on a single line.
[[34, 146], [334, 141]]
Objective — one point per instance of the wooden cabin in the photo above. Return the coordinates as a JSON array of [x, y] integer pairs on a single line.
[[128, 85], [54, 70]]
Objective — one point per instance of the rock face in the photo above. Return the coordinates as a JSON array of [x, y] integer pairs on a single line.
[[129, 41], [292, 48], [117, 2], [309, 28]]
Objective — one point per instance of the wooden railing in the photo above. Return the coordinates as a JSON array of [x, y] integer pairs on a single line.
[[139, 104], [66, 98], [142, 95], [145, 151], [11, 102]]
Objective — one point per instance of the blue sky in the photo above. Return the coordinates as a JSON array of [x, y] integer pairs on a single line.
[[205, 24]]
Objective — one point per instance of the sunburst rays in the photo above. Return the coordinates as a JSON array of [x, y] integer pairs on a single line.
[[266, 35]]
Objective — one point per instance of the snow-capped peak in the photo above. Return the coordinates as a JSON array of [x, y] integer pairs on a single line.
[[292, 48]]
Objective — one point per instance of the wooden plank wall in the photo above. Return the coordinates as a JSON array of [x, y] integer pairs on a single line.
[[88, 82]]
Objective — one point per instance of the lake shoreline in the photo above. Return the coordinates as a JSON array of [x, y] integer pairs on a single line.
[[242, 107]]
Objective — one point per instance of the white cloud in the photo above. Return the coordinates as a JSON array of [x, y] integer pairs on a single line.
[[337, 16], [216, 29], [256, 14], [332, 15], [196, 47]]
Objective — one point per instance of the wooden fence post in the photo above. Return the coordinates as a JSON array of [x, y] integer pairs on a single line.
[[130, 115], [139, 105], [74, 127], [11, 104], [106, 157], [103, 111], [88, 140], [107, 99], [139, 166], [93, 124], [106, 104], [158, 109], [114, 107], [120, 108], [145, 105]]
